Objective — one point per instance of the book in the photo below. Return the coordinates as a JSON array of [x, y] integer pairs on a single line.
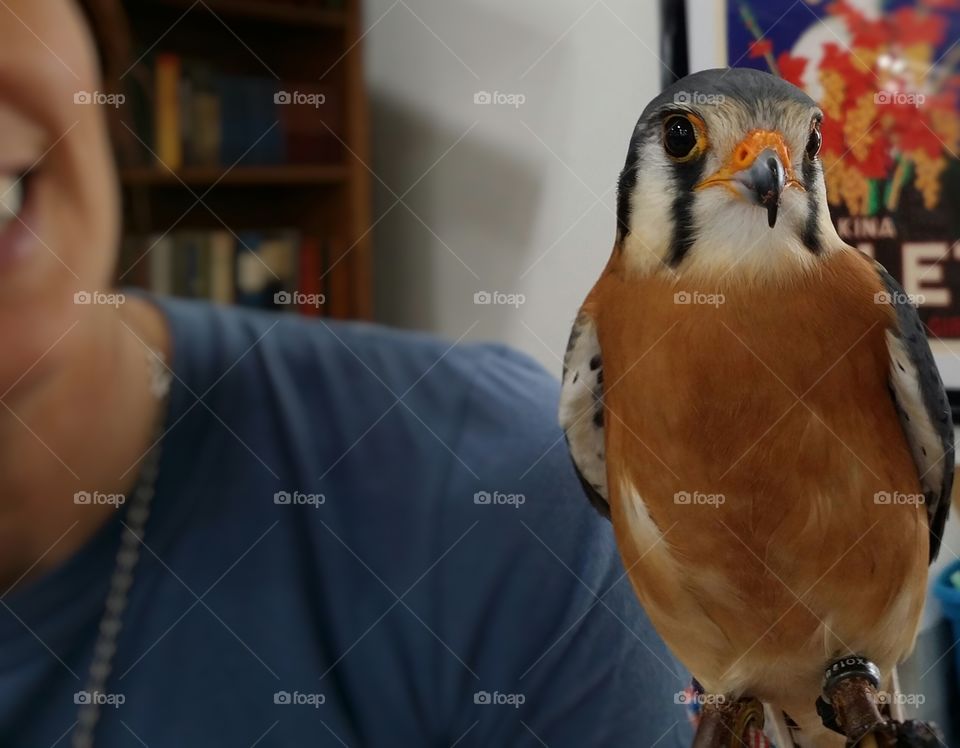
[[203, 128], [265, 269], [168, 123], [222, 258], [159, 250], [310, 281], [204, 117], [249, 121]]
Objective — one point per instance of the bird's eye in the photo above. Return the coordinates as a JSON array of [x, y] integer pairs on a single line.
[[679, 137], [814, 142]]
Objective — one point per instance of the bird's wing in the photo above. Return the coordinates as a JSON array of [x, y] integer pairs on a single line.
[[581, 410], [922, 405]]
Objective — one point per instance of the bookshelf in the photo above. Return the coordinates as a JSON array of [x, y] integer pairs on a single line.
[[278, 12], [246, 121], [202, 176]]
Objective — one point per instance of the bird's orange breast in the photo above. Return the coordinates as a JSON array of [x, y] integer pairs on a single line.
[[751, 440]]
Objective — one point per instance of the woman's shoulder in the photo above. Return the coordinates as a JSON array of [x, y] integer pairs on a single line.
[[405, 425], [211, 341], [334, 365]]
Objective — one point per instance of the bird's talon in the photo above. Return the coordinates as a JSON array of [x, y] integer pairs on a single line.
[[851, 707], [724, 722]]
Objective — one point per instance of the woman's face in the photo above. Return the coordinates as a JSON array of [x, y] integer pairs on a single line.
[[59, 223]]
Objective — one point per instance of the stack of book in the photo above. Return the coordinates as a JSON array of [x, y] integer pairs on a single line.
[[201, 116], [264, 269]]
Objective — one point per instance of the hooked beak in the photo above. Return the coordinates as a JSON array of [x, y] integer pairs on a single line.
[[758, 170], [766, 179]]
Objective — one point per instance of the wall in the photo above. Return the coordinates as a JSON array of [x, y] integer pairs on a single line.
[[515, 197]]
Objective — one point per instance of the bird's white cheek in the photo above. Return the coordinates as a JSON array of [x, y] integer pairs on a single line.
[[651, 220], [734, 239], [828, 232]]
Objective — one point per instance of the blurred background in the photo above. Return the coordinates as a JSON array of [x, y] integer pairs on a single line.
[[489, 138], [451, 167]]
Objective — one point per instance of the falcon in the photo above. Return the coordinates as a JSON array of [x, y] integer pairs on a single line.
[[754, 405]]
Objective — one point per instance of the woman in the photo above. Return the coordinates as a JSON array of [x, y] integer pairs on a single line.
[[222, 527]]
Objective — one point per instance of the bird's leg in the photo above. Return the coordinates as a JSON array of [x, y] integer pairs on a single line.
[[724, 723], [854, 699], [850, 688], [778, 727]]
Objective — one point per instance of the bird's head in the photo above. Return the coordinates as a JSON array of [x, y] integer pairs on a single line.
[[723, 177]]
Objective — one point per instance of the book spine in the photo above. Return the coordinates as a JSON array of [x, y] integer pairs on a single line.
[[309, 281], [169, 144], [160, 258], [222, 258]]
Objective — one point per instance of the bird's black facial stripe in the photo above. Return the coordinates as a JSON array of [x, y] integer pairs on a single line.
[[811, 228], [685, 176], [628, 180], [626, 186]]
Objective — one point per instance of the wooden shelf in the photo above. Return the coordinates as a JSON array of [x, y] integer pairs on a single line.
[[290, 175], [276, 12]]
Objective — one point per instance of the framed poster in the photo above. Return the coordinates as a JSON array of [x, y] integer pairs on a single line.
[[885, 73]]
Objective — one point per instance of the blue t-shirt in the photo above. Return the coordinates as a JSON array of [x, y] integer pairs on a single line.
[[360, 538]]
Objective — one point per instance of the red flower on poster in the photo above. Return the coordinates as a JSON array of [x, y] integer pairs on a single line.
[[792, 68], [889, 105], [761, 47]]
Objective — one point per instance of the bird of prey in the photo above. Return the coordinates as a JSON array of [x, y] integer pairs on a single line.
[[754, 405]]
